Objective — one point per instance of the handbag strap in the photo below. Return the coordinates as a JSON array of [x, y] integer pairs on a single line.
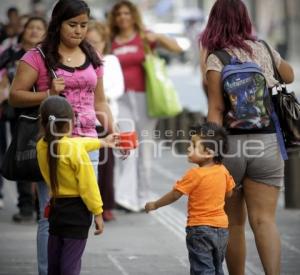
[[276, 72], [50, 69], [274, 116], [33, 111]]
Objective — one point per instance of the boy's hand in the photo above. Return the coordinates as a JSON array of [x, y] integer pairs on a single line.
[[150, 206], [98, 224]]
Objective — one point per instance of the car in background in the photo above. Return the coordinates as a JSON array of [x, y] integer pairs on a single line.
[[176, 31]]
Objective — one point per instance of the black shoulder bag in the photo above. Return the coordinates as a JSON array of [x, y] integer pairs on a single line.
[[20, 160], [287, 108]]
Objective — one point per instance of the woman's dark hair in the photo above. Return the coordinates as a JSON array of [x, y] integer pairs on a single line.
[[29, 20], [228, 26], [213, 137], [62, 11], [56, 117]]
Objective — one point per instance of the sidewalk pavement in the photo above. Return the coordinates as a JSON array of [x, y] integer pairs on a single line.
[[133, 244], [137, 243]]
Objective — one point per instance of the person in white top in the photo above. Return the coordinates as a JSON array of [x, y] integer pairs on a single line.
[[113, 83]]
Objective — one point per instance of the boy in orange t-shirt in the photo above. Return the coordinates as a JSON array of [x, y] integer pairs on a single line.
[[206, 187]]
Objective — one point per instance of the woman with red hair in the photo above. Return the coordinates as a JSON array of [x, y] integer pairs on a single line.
[[258, 172]]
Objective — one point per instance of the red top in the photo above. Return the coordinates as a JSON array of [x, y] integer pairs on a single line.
[[131, 56]]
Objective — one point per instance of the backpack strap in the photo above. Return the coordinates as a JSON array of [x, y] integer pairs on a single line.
[[224, 56]]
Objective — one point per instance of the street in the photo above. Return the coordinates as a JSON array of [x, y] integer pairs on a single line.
[[139, 244]]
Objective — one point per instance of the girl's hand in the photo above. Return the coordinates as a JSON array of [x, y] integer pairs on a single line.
[[124, 153], [150, 206], [98, 224], [57, 86], [111, 141]]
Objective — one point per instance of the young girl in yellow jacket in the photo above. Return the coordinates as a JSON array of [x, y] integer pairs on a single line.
[[66, 167]]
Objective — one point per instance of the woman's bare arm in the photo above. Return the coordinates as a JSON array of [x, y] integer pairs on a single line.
[[202, 60], [215, 97], [165, 41], [286, 72], [21, 94]]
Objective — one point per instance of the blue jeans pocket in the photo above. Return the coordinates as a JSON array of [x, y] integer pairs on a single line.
[[207, 247]]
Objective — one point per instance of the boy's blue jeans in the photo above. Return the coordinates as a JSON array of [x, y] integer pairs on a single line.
[[206, 246]]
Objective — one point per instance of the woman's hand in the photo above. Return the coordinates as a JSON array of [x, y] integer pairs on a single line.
[[98, 224], [57, 86], [124, 153]]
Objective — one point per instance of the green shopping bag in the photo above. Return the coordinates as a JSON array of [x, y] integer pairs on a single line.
[[162, 99]]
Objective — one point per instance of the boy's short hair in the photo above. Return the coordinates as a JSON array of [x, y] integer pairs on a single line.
[[214, 137]]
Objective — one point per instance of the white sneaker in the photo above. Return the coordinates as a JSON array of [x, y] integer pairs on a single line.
[[1, 204]]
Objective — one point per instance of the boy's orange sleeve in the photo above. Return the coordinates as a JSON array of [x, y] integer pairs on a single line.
[[230, 184], [187, 183]]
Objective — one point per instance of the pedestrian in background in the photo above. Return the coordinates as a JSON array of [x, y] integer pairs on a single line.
[[128, 40], [258, 173], [79, 70], [10, 31], [206, 187], [113, 83], [68, 171], [33, 33]]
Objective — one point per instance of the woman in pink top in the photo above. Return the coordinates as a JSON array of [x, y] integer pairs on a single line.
[[79, 71], [128, 40]]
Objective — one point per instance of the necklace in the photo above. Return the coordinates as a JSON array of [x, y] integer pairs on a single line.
[[69, 59]]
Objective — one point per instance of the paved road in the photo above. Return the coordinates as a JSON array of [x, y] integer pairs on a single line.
[[139, 244], [171, 166]]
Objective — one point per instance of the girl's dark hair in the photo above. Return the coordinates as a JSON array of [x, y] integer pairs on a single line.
[[29, 20], [229, 25], [213, 137], [62, 11], [56, 117]]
